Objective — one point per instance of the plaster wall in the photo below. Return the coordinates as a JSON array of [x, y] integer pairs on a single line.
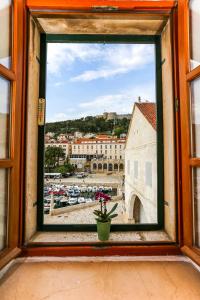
[[169, 138], [32, 132]]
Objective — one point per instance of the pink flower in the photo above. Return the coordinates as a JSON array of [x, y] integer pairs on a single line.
[[104, 197]]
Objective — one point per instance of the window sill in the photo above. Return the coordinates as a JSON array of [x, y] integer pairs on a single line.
[[91, 237]]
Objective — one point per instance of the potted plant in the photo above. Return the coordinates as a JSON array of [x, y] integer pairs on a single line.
[[103, 216]]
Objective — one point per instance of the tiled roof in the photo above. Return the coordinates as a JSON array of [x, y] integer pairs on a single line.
[[148, 109], [94, 141]]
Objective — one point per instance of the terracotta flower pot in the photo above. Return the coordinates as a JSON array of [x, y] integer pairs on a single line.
[[103, 230]]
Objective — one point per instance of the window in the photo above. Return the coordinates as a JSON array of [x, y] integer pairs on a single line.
[[148, 173], [5, 118], [194, 29], [196, 201], [128, 167], [195, 117], [6, 33], [3, 207], [11, 120], [135, 169], [81, 83]]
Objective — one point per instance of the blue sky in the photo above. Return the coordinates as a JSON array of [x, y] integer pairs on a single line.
[[89, 79]]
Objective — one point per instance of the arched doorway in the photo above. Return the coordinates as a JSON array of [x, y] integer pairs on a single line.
[[137, 210], [121, 167], [105, 166], [94, 166], [100, 167], [115, 167], [110, 167]]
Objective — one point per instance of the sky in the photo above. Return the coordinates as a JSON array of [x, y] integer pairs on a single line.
[[89, 79]]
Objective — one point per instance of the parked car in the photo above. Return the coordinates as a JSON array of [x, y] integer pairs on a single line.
[[72, 201], [94, 189], [83, 188], [89, 189], [80, 176], [81, 200], [88, 200], [46, 208], [75, 193]]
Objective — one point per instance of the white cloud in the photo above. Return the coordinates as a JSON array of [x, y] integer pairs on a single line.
[[63, 55], [101, 73], [59, 83], [59, 117], [119, 60], [114, 60], [122, 102]]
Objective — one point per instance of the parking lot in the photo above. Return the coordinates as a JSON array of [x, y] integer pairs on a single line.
[[90, 179]]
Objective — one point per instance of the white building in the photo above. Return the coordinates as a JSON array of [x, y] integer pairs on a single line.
[[61, 138], [78, 134], [103, 151], [107, 147], [89, 135], [141, 165], [64, 145]]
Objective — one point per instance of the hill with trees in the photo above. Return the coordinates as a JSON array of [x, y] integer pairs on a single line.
[[89, 124]]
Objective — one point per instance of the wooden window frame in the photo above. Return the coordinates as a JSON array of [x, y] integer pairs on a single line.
[[45, 8], [14, 163], [186, 76], [182, 76]]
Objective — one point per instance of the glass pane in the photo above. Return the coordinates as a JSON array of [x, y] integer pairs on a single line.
[[195, 117], [196, 199], [195, 36], [6, 31], [3, 207], [92, 94], [4, 118]]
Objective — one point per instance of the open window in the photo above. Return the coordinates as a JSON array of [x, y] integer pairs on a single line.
[[100, 72], [141, 172]]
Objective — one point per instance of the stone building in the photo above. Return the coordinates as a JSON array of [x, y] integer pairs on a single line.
[[104, 153], [141, 165]]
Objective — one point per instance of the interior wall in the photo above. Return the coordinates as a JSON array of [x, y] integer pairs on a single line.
[[169, 137], [32, 130]]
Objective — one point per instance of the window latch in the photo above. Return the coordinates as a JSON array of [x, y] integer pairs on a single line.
[[41, 111], [176, 104]]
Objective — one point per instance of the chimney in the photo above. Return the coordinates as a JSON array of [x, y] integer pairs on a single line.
[[139, 99]]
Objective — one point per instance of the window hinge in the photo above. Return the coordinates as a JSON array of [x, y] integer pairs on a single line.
[[163, 61], [104, 8], [41, 111], [38, 60], [177, 104]]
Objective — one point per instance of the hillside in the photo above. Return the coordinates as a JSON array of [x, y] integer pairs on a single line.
[[89, 124]]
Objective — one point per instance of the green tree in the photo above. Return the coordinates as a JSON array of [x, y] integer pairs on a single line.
[[53, 156], [66, 168]]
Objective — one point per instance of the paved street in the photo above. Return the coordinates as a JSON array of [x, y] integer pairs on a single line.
[[91, 179], [86, 216]]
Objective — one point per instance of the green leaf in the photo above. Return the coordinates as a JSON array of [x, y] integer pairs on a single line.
[[113, 216], [113, 209], [97, 212]]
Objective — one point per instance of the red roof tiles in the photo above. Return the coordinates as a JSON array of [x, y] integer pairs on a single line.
[[148, 109]]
